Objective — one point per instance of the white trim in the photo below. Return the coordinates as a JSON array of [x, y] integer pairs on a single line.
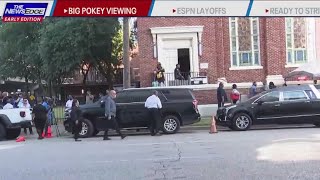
[[292, 65], [299, 82], [315, 91], [293, 55], [176, 29], [237, 43], [245, 68], [243, 85], [167, 40], [311, 39]]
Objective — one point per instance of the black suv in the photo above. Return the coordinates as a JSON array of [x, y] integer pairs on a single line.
[[179, 109]]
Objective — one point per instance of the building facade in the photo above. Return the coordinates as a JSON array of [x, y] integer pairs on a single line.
[[234, 50]]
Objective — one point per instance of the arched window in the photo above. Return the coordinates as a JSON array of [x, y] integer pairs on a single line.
[[296, 40], [244, 42]]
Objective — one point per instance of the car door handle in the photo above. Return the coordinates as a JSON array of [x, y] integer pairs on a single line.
[[277, 105]]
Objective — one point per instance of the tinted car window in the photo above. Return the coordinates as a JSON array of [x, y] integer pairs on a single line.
[[138, 96], [121, 97], [177, 94], [270, 97], [311, 94], [294, 95]]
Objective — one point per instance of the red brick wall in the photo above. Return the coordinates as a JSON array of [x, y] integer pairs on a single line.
[[210, 96], [216, 47]]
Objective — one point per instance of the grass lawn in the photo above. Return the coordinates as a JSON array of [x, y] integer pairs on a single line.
[[204, 122], [59, 112]]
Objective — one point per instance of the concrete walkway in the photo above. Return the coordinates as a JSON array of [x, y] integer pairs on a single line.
[[208, 110]]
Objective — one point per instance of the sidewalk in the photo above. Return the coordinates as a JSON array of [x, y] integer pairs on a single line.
[[208, 110]]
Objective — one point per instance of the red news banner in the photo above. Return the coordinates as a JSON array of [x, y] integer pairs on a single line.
[[101, 8]]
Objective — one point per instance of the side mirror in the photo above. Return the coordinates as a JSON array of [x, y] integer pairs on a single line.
[[102, 104], [260, 103]]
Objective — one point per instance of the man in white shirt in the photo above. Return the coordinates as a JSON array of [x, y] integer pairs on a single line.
[[69, 102], [154, 105]]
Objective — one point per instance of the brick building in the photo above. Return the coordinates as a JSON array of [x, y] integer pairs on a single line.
[[235, 50]]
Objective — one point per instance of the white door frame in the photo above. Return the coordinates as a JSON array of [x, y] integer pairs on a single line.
[[178, 33]]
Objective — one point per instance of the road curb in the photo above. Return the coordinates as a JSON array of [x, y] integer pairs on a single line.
[[255, 127]]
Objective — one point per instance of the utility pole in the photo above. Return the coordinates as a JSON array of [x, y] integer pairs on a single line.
[[126, 53]]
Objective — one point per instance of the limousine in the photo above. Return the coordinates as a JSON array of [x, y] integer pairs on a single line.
[[283, 105]]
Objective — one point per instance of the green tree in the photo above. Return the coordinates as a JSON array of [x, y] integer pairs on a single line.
[[68, 44], [18, 51]]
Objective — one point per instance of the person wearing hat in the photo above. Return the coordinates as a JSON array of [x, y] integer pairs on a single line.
[[153, 104]]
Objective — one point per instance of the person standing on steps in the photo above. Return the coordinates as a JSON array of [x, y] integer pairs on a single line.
[[153, 104], [110, 114], [75, 116]]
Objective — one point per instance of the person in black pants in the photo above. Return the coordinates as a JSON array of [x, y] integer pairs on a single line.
[[110, 114], [75, 116], [154, 105], [39, 114], [221, 95]]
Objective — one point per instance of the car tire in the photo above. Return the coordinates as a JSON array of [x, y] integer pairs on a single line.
[[87, 129], [241, 122], [13, 133], [3, 132], [170, 124]]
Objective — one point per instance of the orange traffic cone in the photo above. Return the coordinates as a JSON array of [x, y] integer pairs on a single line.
[[49, 134], [20, 139], [213, 127]]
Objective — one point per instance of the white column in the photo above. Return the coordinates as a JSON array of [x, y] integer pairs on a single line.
[[154, 39], [200, 43], [311, 39]]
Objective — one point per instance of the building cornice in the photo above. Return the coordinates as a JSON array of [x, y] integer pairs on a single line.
[[176, 29]]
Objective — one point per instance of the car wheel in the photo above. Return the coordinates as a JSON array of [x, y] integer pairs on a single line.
[[2, 132], [87, 129], [170, 125], [13, 133], [241, 122]]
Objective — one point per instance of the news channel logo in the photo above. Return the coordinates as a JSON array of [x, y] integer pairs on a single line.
[[24, 11]]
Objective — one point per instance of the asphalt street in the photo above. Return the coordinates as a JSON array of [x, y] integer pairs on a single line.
[[292, 153]]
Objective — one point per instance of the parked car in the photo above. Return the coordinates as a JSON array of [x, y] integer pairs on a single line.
[[179, 108], [12, 120], [284, 105]]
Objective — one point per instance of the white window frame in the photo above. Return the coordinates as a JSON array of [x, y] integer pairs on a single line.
[[253, 65], [293, 49]]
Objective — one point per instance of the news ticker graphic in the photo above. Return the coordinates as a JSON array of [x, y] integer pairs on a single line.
[[35, 11]]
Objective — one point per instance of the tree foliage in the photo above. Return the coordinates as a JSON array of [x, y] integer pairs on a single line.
[[57, 47], [19, 55]]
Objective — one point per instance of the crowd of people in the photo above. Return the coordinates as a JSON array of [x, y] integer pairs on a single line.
[[29, 100]]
